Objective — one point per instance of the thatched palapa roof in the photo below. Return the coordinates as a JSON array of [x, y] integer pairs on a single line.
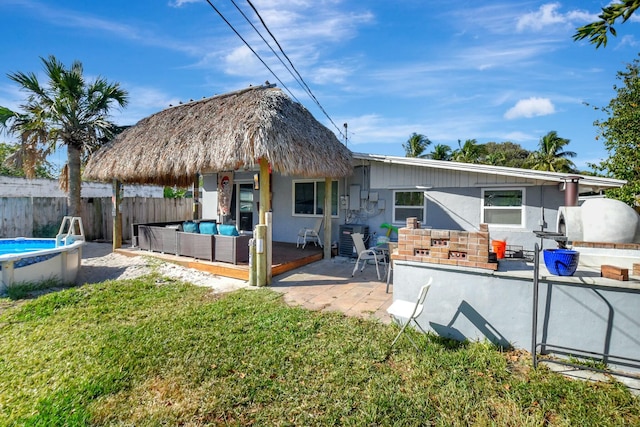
[[225, 132]]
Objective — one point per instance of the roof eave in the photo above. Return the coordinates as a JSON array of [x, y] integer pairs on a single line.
[[538, 176]]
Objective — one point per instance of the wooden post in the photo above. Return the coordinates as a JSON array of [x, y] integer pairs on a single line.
[[261, 256], [253, 280], [327, 218], [116, 199], [269, 221], [263, 245], [265, 190], [196, 197]]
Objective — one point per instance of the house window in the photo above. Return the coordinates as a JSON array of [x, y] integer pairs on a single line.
[[408, 204], [308, 198], [503, 207]]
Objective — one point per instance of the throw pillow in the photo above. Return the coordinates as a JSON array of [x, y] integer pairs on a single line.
[[208, 228], [228, 230], [190, 227]]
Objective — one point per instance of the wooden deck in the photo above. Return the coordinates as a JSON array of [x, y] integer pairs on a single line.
[[286, 257]]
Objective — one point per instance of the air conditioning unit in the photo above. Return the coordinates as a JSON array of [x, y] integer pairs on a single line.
[[346, 248]]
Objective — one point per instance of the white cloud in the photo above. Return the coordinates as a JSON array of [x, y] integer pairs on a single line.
[[180, 3], [627, 41], [530, 107], [518, 137], [11, 96], [241, 61], [330, 74], [305, 30], [581, 16], [370, 128], [143, 101], [549, 15], [546, 15]]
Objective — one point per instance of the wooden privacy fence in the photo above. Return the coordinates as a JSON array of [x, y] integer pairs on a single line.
[[41, 216]]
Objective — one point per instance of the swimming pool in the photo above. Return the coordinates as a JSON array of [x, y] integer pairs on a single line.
[[21, 244], [32, 260]]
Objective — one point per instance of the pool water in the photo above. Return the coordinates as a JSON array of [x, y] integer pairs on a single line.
[[18, 246]]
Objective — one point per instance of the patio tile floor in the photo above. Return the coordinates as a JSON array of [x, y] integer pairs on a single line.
[[327, 285]]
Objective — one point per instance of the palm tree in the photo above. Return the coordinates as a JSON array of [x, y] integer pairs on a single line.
[[415, 146], [551, 156], [441, 152], [33, 150], [74, 112], [470, 152], [497, 158]]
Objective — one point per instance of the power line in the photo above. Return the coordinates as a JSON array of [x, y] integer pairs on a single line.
[[306, 87], [298, 79], [265, 41], [250, 48]]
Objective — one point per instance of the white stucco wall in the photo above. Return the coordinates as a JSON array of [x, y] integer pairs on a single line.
[[584, 312]]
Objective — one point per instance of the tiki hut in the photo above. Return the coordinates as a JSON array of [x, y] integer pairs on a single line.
[[238, 130], [225, 132]]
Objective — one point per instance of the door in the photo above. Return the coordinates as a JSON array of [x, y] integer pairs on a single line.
[[242, 207]]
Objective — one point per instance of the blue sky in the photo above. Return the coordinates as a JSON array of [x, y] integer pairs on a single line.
[[451, 70]]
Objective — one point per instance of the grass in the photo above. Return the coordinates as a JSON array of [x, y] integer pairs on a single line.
[[23, 290], [153, 351], [589, 362]]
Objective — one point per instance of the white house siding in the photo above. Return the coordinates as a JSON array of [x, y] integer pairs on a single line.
[[385, 175], [453, 200], [456, 207], [285, 224]]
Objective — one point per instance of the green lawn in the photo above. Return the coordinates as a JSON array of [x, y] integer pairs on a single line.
[[153, 351]]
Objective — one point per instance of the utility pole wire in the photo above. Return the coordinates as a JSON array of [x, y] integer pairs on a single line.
[[254, 52], [306, 87], [267, 43]]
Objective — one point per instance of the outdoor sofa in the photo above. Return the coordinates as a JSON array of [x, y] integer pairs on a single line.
[[233, 249], [196, 245], [157, 237], [201, 239]]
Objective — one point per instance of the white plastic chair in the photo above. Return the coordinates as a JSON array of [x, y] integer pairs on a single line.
[[376, 254], [306, 235], [409, 310]]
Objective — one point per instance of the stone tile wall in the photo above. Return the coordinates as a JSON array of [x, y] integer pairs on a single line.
[[447, 247]]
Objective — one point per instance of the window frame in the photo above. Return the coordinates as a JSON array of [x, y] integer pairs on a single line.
[[521, 208], [334, 202], [394, 206]]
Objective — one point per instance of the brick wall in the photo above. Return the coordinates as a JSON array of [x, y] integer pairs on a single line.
[[447, 247]]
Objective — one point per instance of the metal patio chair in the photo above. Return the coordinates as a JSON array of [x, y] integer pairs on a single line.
[[378, 255], [409, 310], [306, 235]]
